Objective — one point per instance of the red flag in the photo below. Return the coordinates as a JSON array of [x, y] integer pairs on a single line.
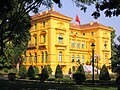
[[74, 36], [77, 19]]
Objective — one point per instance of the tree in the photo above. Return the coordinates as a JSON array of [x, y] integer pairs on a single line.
[[44, 75], [49, 69], [113, 35], [109, 7], [104, 74], [22, 72], [31, 72], [116, 59], [15, 19], [79, 76], [80, 70], [36, 69], [58, 72]]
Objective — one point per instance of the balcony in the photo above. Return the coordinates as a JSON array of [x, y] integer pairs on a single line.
[[42, 46], [31, 46]]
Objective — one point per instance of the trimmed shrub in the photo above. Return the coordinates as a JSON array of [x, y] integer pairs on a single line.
[[36, 70], [104, 74], [44, 75], [58, 72], [80, 70], [5, 70], [22, 72], [49, 69], [31, 72], [11, 76], [79, 76]]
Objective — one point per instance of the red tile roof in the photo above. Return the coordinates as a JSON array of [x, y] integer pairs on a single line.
[[37, 16], [89, 25]]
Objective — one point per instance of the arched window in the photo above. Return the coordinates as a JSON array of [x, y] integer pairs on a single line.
[[30, 58], [60, 38], [78, 58], [43, 37], [92, 33], [105, 45], [24, 58], [35, 41], [105, 58], [42, 57], [35, 57], [73, 57], [82, 44], [46, 57], [73, 68], [60, 57], [82, 59], [73, 44]]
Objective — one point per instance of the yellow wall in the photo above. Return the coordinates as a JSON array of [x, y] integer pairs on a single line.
[[50, 27]]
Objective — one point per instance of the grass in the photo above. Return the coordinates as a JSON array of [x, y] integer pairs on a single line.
[[36, 85]]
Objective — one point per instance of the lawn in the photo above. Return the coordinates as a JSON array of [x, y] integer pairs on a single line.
[[36, 85]]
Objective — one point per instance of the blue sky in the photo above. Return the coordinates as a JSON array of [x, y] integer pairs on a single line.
[[69, 9]]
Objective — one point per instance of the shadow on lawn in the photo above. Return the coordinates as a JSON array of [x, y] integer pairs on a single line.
[[36, 85]]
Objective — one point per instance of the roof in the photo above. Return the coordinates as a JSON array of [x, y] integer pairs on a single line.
[[89, 25], [49, 12]]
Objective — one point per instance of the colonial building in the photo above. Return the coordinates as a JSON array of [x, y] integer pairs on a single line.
[[55, 40]]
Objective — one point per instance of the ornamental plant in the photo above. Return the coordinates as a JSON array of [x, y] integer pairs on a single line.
[[79, 76], [22, 72], [31, 72], [104, 74], [44, 75], [58, 72], [36, 70]]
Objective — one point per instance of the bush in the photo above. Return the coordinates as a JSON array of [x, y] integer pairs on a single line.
[[58, 72], [80, 70], [44, 75], [11, 76], [31, 72], [5, 70], [23, 72], [36, 70], [104, 74], [49, 69], [79, 78]]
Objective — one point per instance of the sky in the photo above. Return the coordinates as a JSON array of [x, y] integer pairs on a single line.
[[69, 9]]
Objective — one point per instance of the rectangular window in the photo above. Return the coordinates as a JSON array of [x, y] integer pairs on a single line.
[[78, 45], [42, 57], [82, 44]]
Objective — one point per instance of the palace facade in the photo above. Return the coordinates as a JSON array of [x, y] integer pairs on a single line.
[[54, 40]]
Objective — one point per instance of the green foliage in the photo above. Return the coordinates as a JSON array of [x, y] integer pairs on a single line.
[[79, 76], [31, 72], [49, 69], [109, 7], [80, 70], [22, 72], [104, 74], [11, 76], [5, 70], [36, 70], [58, 72], [44, 75]]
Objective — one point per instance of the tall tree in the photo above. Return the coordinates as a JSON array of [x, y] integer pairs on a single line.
[[116, 58], [109, 7], [15, 19]]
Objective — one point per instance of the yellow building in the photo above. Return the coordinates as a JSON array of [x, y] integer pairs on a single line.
[[54, 40]]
